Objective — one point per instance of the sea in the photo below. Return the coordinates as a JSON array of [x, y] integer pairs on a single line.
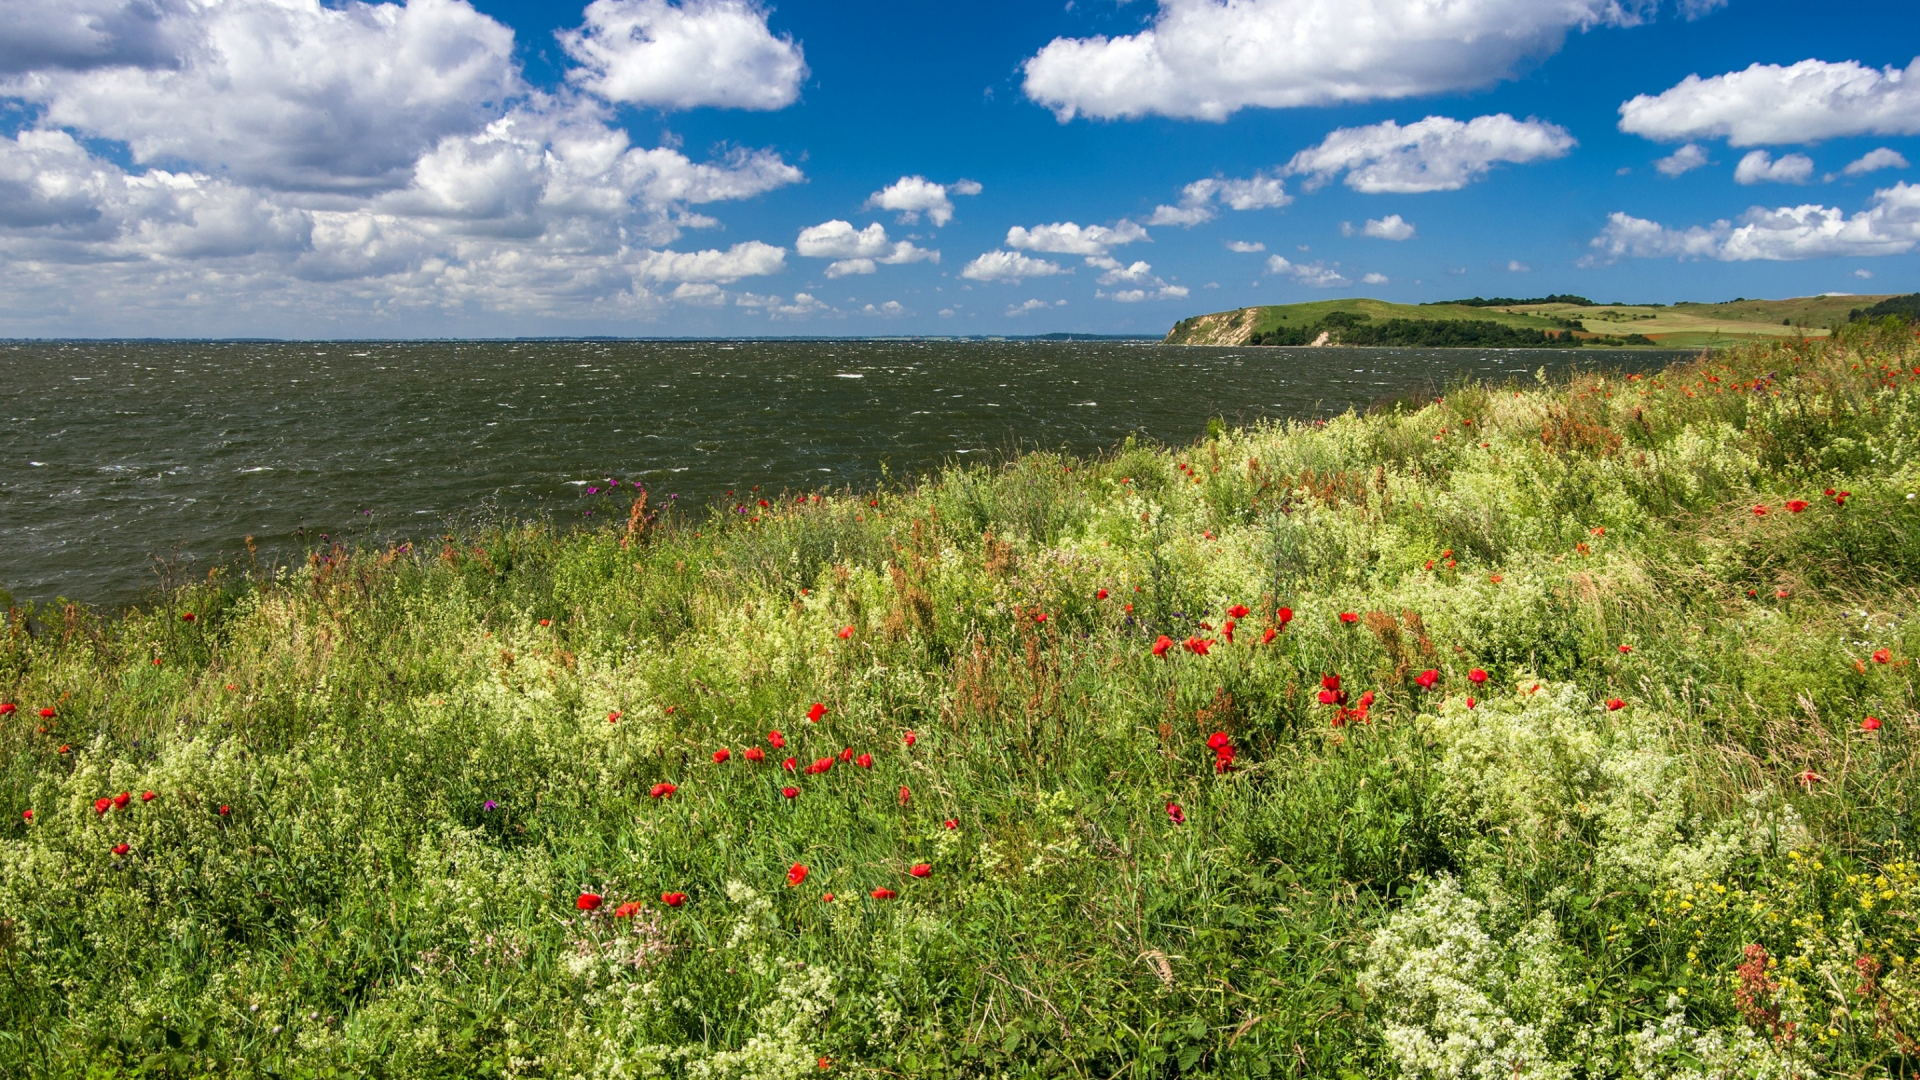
[[126, 465]]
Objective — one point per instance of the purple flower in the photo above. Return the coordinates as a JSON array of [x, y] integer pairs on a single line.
[[489, 805]]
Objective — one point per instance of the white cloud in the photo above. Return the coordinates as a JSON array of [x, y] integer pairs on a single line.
[[1009, 266], [682, 56], [1435, 154], [1890, 226], [1684, 160], [1770, 104], [1206, 59], [1067, 238], [751, 259], [701, 295], [858, 250], [1515, 266], [888, 310], [912, 196], [1874, 161], [1245, 247], [321, 164], [1033, 305], [1863, 274], [1316, 274], [1259, 192], [285, 93], [1135, 296], [1148, 285], [801, 306], [1374, 279], [1758, 167], [1391, 227]]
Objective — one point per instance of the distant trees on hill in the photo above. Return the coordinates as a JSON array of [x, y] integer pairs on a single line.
[[1508, 301], [1347, 328], [1907, 307]]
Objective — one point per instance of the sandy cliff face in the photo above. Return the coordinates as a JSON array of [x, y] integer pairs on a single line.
[[1219, 328]]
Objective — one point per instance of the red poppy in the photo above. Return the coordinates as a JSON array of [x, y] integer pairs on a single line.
[[790, 764], [1267, 638], [1841, 499], [910, 738], [1239, 611], [588, 901], [1780, 594], [722, 755], [673, 899], [65, 749], [1615, 704], [224, 810], [951, 823], [1471, 703], [1809, 778], [1160, 647], [543, 622], [1871, 723], [186, 616], [905, 795], [1039, 616], [1759, 511], [818, 710], [846, 632], [27, 814], [614, 716], [884, 893], [1625, 650], [662, 790], [796, 874], [1477, 676], [1223, 759], [1217, 740], [920, 870], [1285, 615], [1100, 594], [46, 714], [1427, 678], [7, 708], [1829, 491], [121, 800], [120, 849], [1429, 564], [1349, 617], [627, 910], [820, 766], [1795, 506], [754, 753], [1175, 814], [790, 792], [1329, 682], [865, 761], [826, 898], [776, 740], [1882, 656], [1227, 631], [101, 806], [847, 754], [147, 796], [1198, 646]]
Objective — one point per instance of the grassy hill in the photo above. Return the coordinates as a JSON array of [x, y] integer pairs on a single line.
[[1544, 730], [1676, 326]]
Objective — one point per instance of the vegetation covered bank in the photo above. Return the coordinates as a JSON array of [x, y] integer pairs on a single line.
[[1541, 731]]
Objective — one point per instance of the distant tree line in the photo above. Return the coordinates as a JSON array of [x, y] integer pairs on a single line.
[[1508, 301], [1350, 328], [1906, 307]]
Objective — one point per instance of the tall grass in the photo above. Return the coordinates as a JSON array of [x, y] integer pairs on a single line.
[[1655, 841]]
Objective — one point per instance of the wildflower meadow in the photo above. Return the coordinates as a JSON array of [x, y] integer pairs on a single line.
[[1553, 730]]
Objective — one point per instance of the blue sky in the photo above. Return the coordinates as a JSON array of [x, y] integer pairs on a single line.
[[445, 167]]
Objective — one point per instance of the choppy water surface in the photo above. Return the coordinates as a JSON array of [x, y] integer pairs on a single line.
[[113, 453]]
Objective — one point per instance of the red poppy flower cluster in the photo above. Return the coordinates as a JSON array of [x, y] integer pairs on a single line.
[[722, 756], [1882, 656], [673, 899], [1871, 723], [7, 708], [1175, 814], [1427, 678], [816, 712], [1331, 694], [1615, 704], [1223, 751], [589, 902], [662, 790], [1477, 676]]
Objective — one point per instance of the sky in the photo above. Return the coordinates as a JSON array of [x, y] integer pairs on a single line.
[[480, 168]]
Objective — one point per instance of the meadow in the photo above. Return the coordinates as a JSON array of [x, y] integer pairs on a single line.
[[1551, 730]]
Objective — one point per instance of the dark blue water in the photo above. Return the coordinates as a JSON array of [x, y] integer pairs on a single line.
[[117, 458]]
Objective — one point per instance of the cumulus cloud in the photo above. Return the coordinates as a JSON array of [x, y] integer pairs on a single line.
[[288, 156], [1684, 160], [1245, 247], [1759, 167], [1391, 227], [1317, 275], [778, 307], [912, 196], [1375, 279], [1768, 104], [1009, 266], [858, 251], [1890, 226], [81, 34], [682, 56], [751, 259], [1874, 161], [1435, 154], [1515, 266], [888, 310], [1067, 238], [1205, 59], [1260, 192], [1033, 305]]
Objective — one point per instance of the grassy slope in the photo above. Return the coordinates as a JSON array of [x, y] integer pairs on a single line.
[[1678, 326], [1525, 878]]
